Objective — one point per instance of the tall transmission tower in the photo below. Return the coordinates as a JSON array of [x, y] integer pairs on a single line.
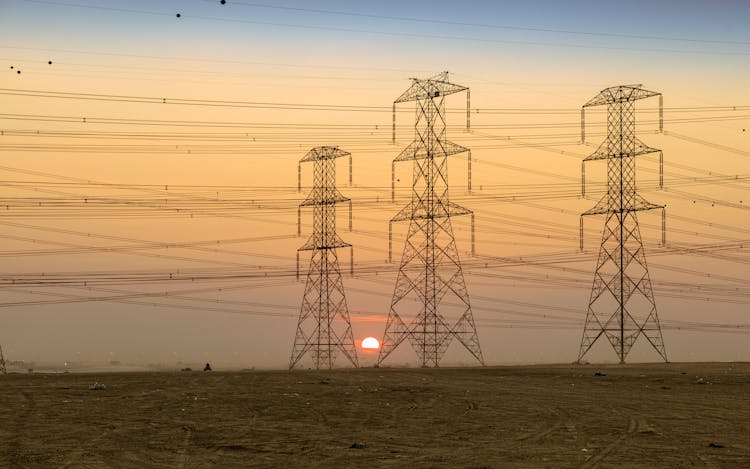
[[621, 307], [430, 305], [324, 329], [3, 370]]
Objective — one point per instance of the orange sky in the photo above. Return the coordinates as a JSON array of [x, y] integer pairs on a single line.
[[84, 199]]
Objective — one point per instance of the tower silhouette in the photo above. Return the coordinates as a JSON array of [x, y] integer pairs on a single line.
[[3, 370], [621, 306], [324, 329], [430, 305]]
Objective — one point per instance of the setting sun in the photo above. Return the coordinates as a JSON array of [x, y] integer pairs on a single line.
[[370, 343]]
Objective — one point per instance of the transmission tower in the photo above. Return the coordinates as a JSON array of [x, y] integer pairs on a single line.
[[430, 305], [324, 328], [622, 305], [3, 370]]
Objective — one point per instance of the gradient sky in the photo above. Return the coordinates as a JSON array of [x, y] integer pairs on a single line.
[[530, 65]]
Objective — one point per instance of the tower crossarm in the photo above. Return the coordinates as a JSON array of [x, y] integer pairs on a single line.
[[417, 151], [313, 244], [324, 153], [323, 197], [429, 88], [603, 207], [414, 211], [604, 152], [619, 94], [323, 158]]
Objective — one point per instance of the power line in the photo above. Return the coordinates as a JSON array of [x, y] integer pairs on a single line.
[[485, 25], [337, 29]]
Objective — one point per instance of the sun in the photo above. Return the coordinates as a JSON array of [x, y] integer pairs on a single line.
[[370, 343]]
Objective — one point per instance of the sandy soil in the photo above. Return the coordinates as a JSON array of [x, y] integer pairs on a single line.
[[638, 415]]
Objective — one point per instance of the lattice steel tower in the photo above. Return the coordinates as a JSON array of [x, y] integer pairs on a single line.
[[3, 370], [430, 305], [324, 329], [622, 306]]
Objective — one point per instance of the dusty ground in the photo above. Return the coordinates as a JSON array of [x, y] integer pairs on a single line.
[[638, 415]]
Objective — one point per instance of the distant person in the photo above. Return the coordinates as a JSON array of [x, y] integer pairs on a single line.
[[207, 367]]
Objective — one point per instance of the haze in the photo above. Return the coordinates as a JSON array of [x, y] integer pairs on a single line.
[[113, 194]]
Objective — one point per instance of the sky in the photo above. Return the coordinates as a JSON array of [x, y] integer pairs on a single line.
[[138, 145]]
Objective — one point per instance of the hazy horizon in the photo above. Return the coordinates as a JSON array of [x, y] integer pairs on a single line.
[[149, 171]]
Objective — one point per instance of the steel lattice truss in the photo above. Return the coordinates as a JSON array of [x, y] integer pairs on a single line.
[[430, 305], [621, 307], [324, 329]]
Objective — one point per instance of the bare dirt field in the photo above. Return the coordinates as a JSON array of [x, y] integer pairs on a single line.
[[665, 415]]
